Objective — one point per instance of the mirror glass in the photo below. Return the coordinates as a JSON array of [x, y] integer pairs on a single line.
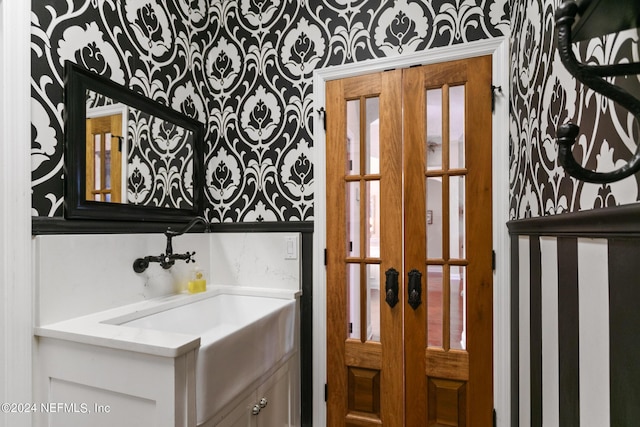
[[128, 157]]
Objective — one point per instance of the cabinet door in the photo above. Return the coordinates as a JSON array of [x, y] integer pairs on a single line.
[[271, 405], [241, 416], [275, 398]]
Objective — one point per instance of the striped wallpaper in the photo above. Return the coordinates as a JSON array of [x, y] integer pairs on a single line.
[[575, 331]]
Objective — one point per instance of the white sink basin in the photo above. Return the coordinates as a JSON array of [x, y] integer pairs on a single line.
[[241, 339]]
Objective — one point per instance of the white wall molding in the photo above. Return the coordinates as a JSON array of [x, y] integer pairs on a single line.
[[16, 290], [499, 49], [593, 303], [501, 241]]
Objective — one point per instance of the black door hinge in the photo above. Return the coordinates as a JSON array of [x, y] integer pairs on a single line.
[[493, 260], [323, 113], [495, 418], [325, 257], [494, 89], [326, 392], [120, 139], [350, 328]]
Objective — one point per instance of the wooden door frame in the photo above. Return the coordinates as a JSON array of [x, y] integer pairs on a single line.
[[498, 48]]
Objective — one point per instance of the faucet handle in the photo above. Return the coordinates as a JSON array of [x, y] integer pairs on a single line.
[[171, 233], [189, 257], [140, 265]]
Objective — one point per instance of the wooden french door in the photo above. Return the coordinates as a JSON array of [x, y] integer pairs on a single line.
[[409, 244], [364, 234]]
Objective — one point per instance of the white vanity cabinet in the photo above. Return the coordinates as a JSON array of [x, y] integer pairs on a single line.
[[273, 404], [81, 384]]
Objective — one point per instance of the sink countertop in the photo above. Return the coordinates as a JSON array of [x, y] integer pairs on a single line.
[[103, 328]]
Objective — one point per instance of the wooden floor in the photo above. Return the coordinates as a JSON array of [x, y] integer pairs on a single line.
[[434, 313], [433, 299]]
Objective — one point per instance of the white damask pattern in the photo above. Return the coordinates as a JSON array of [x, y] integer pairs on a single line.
[[88, 47], [543, 96], [401, 28]]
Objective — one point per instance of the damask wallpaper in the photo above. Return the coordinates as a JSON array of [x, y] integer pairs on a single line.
[[543, 96], [243, 68], [160, 162]]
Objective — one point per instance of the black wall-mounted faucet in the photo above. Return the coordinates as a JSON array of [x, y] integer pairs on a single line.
[[168, 258]]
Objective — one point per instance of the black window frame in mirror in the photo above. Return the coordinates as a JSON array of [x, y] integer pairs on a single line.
[[77, 81]]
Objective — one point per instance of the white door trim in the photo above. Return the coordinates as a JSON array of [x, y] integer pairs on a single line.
[[16, 286], [498, 48]]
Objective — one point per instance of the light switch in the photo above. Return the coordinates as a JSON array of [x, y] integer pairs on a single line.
[[291, 247]]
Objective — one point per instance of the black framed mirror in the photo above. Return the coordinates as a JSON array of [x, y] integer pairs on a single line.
[[128, 157]]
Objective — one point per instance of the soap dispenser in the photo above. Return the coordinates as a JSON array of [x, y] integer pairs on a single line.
[[197, 282]]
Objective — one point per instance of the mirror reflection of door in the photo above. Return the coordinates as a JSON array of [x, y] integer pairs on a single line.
[[104, 159]]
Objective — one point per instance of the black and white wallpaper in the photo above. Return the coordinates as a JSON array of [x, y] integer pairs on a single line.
[[543, 96], [242, 67], [159, 162]]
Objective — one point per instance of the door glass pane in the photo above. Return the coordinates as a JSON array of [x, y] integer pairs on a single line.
[[373, 302], [353, 301], [458, 308], [353, 218], [353, 137], [107, 161], [372, 139], [97, 154], [373, 219], [457, 225], [434, 129], [434, 305], [434, 218], [456, 127]]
